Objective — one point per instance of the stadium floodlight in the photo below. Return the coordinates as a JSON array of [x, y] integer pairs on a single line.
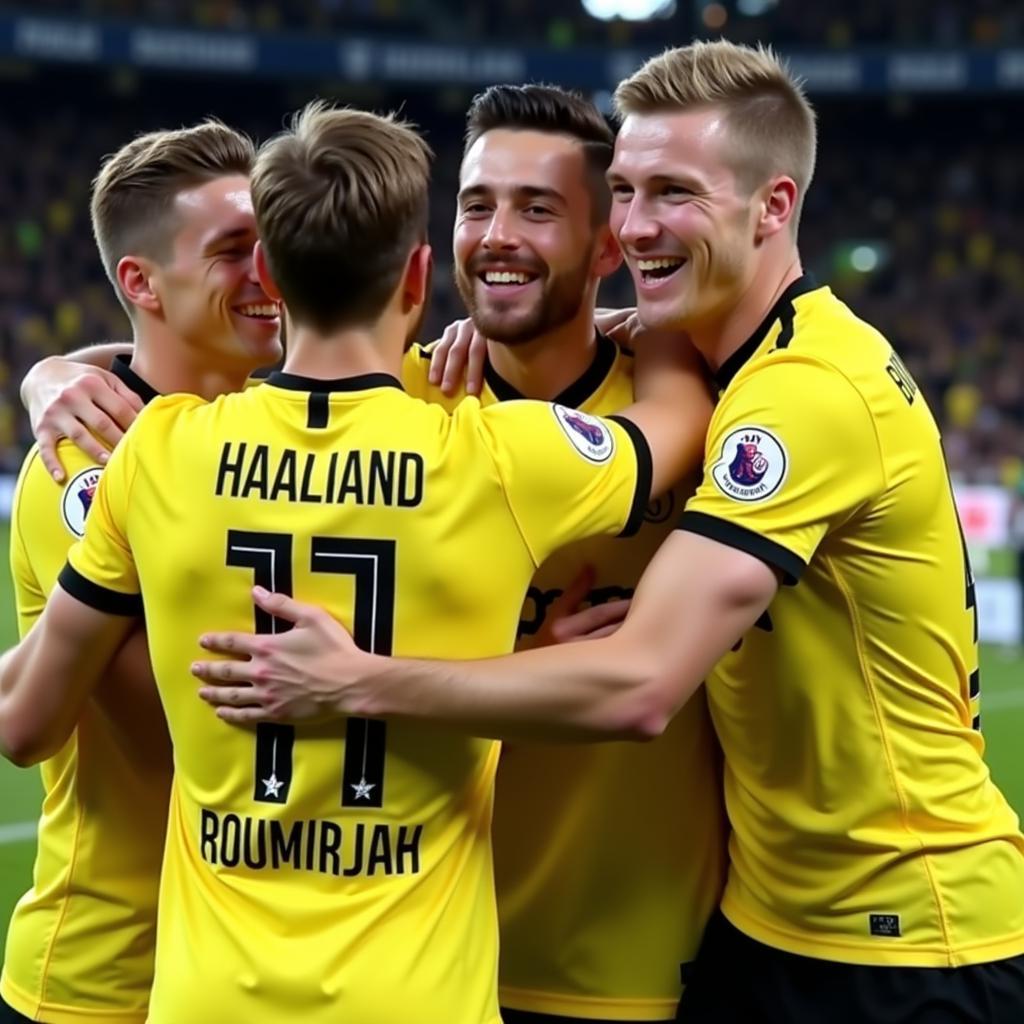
[[629, 10], [864, 258]]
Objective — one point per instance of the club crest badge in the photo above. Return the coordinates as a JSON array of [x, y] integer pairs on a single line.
[[587, 434], [752, 466], [77, 499]]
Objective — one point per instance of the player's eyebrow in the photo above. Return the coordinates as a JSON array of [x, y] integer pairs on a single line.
[[520, 191], [230, 235], [539, 192], [682, 178], [473, 192]]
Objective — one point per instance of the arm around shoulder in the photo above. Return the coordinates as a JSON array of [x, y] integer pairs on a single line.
[[695, 600], [673, 407]]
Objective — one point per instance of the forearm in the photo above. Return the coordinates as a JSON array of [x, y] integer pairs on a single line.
[[625, 686], [696, 599], [593, 690], [45, 680], [128, 699], [673, 407], [102, 354], [20, 708]]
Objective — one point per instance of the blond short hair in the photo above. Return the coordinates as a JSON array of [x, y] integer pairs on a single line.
[[340, 200], [772, 125], [133, 195]]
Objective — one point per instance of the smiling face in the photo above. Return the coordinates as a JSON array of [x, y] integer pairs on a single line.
[[207, 287], [525, 241], [686, 226]]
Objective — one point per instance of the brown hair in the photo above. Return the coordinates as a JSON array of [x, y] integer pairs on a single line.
[[340, 200], [133, 194], [548, 108], [772, 124]]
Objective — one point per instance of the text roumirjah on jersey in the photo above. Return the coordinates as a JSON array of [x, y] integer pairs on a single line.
[[312, 844]]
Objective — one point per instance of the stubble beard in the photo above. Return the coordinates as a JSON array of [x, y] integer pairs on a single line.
[[559, 302]]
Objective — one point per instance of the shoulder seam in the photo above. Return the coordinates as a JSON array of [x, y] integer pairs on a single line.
[[504, 486]]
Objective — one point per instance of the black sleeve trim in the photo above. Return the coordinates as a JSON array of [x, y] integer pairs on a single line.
[[113, 602], [644, 472], [742, 539]]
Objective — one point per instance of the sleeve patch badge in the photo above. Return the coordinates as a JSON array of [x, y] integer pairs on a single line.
[[587, 434], [752, 466], [77, 498]]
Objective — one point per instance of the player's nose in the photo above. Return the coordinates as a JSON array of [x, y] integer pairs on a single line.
[[501, 233], [638, 228]]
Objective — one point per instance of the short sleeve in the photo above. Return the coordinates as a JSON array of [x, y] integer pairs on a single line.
[[791, 454], [567, 474], [46, 519], [100, 570], [416, 382], [415, 367]]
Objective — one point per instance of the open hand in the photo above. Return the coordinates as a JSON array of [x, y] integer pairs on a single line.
[[296, 673], [85, 404]]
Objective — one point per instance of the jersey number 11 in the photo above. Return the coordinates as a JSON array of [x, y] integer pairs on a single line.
[[372, 564]]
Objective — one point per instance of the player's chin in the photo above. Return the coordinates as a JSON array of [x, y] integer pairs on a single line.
[[661, 314], [267, 350], [258, 332], [508, 327]]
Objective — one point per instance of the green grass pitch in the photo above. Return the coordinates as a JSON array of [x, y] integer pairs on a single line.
[[1002, 677]]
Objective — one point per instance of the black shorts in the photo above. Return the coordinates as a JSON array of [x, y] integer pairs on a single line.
[[738, 979], [528, 1017], [8, 1015]]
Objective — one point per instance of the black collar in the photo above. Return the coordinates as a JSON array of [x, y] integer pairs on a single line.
[[362, 382], [577, 392], [121, 369], [736, 361]]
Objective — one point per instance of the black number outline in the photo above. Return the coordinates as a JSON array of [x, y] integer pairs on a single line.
[[372, 563]]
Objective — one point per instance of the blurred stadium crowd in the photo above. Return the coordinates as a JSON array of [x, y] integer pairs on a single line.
[[564, 23], [906, 222]]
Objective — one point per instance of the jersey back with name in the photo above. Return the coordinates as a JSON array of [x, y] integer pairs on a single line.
[[80, 942], [866, 826], [337, 871], [609, 857]]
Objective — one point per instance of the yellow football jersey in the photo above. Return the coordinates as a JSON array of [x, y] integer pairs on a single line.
[[609, 858], [80, 942], [866, 828], [338, 871]]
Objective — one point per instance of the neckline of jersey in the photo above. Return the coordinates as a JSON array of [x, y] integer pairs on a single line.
[[728, 370], [360, 382], [121, 368], [577, 392]]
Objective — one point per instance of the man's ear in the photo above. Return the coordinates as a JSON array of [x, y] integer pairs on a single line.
[[607, 254], [778, 206], [267, 282], [416, 283], [135, 279]]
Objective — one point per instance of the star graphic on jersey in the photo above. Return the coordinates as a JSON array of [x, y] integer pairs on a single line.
[[362, 788], [273, 785]]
